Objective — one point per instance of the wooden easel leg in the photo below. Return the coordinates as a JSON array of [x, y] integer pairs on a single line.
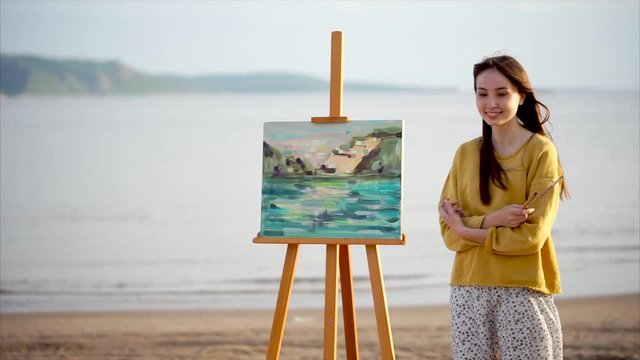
[[331, 304], [380, 303], [348, 305], [280, 315]]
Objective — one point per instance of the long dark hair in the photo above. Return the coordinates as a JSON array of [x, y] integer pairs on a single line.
[[532, 115]]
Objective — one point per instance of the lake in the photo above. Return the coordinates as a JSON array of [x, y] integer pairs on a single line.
[[152, 202]]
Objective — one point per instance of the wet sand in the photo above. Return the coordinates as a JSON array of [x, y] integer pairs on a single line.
[[605, 327]]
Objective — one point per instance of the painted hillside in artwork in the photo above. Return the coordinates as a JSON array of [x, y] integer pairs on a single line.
[[332, 180]]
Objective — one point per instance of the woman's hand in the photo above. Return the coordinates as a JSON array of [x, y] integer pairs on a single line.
[[456, 208], [451, 213], [509, 216]]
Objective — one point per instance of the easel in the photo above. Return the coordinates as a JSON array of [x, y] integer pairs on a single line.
[[337, 253]]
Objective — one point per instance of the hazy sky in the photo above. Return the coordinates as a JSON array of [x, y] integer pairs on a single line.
[[430, 43]]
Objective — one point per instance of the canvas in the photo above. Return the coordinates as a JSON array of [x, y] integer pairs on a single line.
[[332, 180]]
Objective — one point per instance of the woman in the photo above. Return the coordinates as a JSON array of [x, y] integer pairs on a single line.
[[505, 268]]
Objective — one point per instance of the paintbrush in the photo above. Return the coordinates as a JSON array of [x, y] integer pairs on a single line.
[[537, 196]]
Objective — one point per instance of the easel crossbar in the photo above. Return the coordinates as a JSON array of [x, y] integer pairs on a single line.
[[328, 241]]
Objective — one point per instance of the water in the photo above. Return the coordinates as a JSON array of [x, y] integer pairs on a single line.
[[325, 207], [151, 202]]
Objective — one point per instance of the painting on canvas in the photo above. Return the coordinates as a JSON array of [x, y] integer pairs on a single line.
[[332, 180]]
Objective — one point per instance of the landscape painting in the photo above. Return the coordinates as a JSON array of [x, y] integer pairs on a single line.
[[332, 180]]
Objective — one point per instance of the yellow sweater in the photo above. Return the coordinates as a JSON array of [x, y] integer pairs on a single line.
[[519, 257]]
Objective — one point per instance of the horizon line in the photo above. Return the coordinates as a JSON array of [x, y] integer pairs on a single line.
[[401, 87]]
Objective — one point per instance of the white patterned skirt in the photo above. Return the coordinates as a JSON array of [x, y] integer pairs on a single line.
[[504, 323]]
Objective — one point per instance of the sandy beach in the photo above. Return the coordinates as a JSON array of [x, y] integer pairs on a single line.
[[605, 327]]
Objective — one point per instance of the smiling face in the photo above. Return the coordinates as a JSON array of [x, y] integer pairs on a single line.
[[497, 99]]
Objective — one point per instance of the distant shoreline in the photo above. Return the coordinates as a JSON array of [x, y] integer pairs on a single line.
[[293, 93], [40, 75], [24, 74]]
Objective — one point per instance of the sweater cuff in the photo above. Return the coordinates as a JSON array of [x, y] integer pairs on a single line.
[[488, 241], [474, 222]]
